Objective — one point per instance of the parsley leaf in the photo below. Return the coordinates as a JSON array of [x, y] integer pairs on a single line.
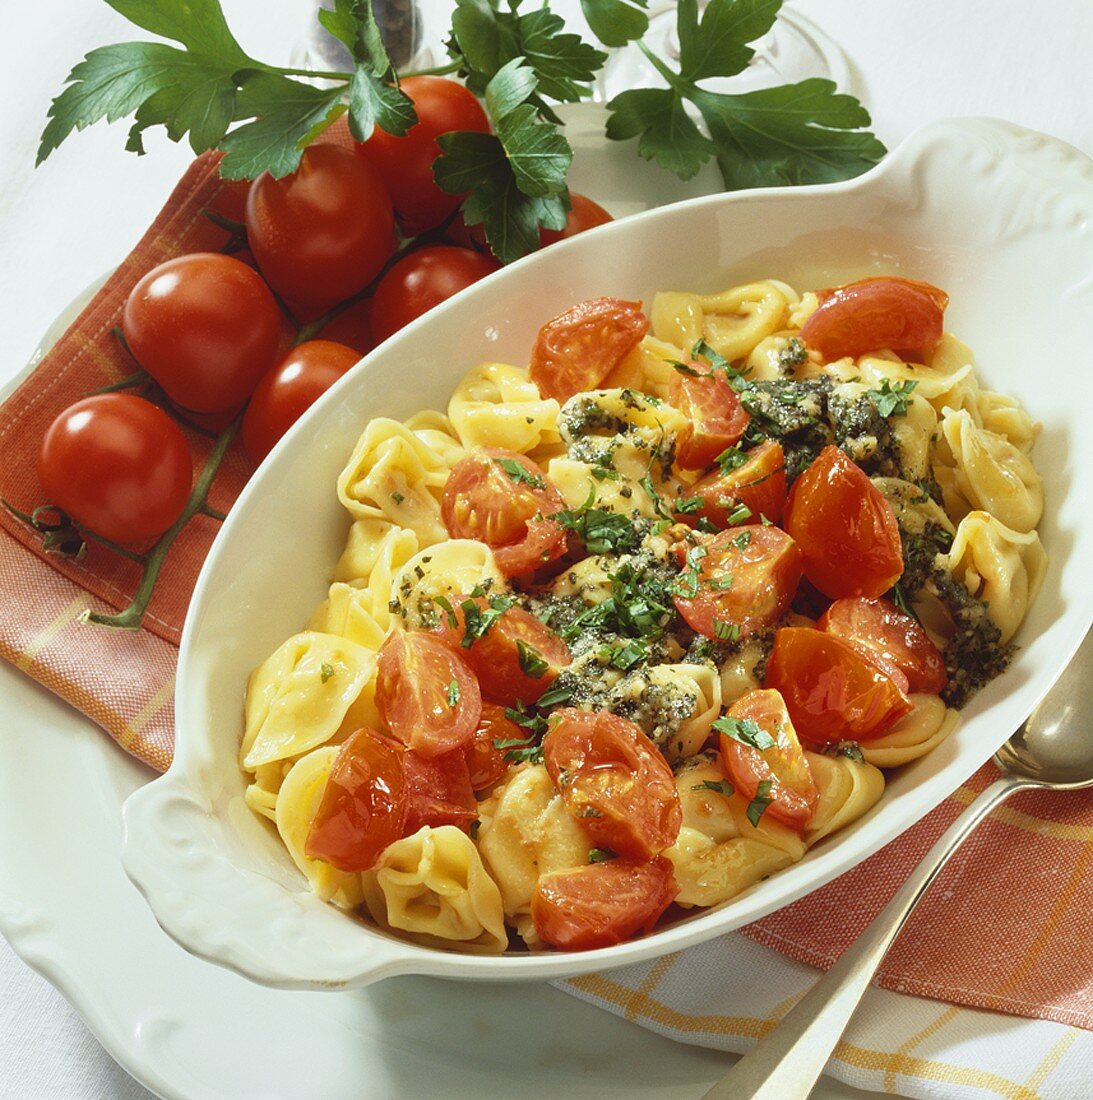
[[554, 696], [601, 855], [624, 657], [518, 472], [616, 22], [721, 786], [532, 662], [687, 584], [326, 671], [449, 612], [519, 752], [453, 694], [726, 632], [477, 620], [732, 458], [892, 400], [746, 732], [601, 532], [758, 805], [665, 132]]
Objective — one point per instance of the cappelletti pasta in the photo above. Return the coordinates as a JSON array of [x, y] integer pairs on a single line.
[[575, 665]]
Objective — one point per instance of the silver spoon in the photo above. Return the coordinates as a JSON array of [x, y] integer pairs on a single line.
[[1052, 749]]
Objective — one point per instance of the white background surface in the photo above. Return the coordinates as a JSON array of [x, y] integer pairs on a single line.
[[64, 224]]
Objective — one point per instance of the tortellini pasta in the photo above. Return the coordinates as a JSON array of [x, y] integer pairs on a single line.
[[497, 405], [433, 885], [452, 568], [912, 736], [848, 789]]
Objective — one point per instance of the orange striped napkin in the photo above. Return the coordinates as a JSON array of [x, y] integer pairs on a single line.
[[1007, 929]]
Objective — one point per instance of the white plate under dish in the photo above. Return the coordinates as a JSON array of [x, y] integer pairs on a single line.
[[1000, 217]]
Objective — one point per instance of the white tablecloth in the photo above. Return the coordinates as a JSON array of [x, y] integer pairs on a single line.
[[64, 224]]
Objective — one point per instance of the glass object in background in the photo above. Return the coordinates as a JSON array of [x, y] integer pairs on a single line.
[[794, 49]]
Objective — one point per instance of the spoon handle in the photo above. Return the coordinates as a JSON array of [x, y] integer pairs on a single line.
[[787, 1062]]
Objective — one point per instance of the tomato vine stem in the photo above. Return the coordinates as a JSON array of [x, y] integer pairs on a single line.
[[132, 617]]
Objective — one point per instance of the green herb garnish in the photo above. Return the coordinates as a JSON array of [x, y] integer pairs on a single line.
[[453, 694], [721, 786], [746, 732], [325, 672], [758, 805], [518, 473], [477, 620], [601, 855], [726, 632], [532, 662], [892, 400]]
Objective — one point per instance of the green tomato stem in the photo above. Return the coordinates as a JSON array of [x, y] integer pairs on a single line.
[[137, 378], [438, 70], [317, 73], [133, 615]]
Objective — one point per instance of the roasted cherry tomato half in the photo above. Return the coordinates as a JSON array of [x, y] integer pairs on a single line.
[[874, 314], [426, 694], [438, 791], [486, 762], [583, 214], [363, 807], [614, 781], [737, 582], [891, 639], [751, 482], [715, 419], [503, 499], [405, 164], [118, 465], [322, 233], [286, 392], [831, 691], [579, 348], [763, 749], [602, 904], [205, 327], [845, 528], [515, 660], [421, 280]]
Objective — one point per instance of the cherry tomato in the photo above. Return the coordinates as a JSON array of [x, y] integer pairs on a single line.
[[118, 465], [873, 314], [485, 761], [792, 791], [579, 348], [287, 391], [438, 791], [426, 694], [613, 781], [205, 327], [503, 499], [745, 579], [406, 163], [715, 419], [758, 483], [889, 638], [845, 528], [831, 691], [363, 806], [518, 657], [352, 327], [602, 904], [421, 280], [583, 214], [321, 234]]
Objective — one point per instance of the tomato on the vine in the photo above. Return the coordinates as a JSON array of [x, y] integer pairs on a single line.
[[322, 233], [876, 313], [421, 280], [602, 904], [205, 327], [614, 781], [503, 499], [583, 214], [845, 528], [352, 327], [285, 392], [118, 465], [405, 164]]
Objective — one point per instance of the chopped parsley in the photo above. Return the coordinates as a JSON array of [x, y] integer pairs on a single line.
[[758, 805], [850, 749], [722, 583], [453, 694], [746, 732], [732, 458], [555, 696], [398, 498], [532, 662], [520, 752], [477, 621], [742, 540], [605, 473], [601, 855], [721, 786], [687, 584], [601, 532], [726, 632], [794, 354], [892, 400], [449, 612], [535, 724], [518, 472], [738, 515], [646, 483], [687, 505], [624, 657], [325, 672]]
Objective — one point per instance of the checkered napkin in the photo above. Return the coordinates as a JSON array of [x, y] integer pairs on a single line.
[[1007, 929]]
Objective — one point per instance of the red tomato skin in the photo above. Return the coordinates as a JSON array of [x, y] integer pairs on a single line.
[[289, 389], [481, 501], [885, 635], [766, 572], [793, 791], [438, 791], [715, 419], [118, 465], [485, 762], [495, 657], [831, 691], [845, 528], [579, 348], [363, 808], [421, 280], [322, 233], [415, 671], [405, 164], [352, 327], [759, 484], [874, 314], [614, 781], [205, 327], [584, 214], [602, 904]]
